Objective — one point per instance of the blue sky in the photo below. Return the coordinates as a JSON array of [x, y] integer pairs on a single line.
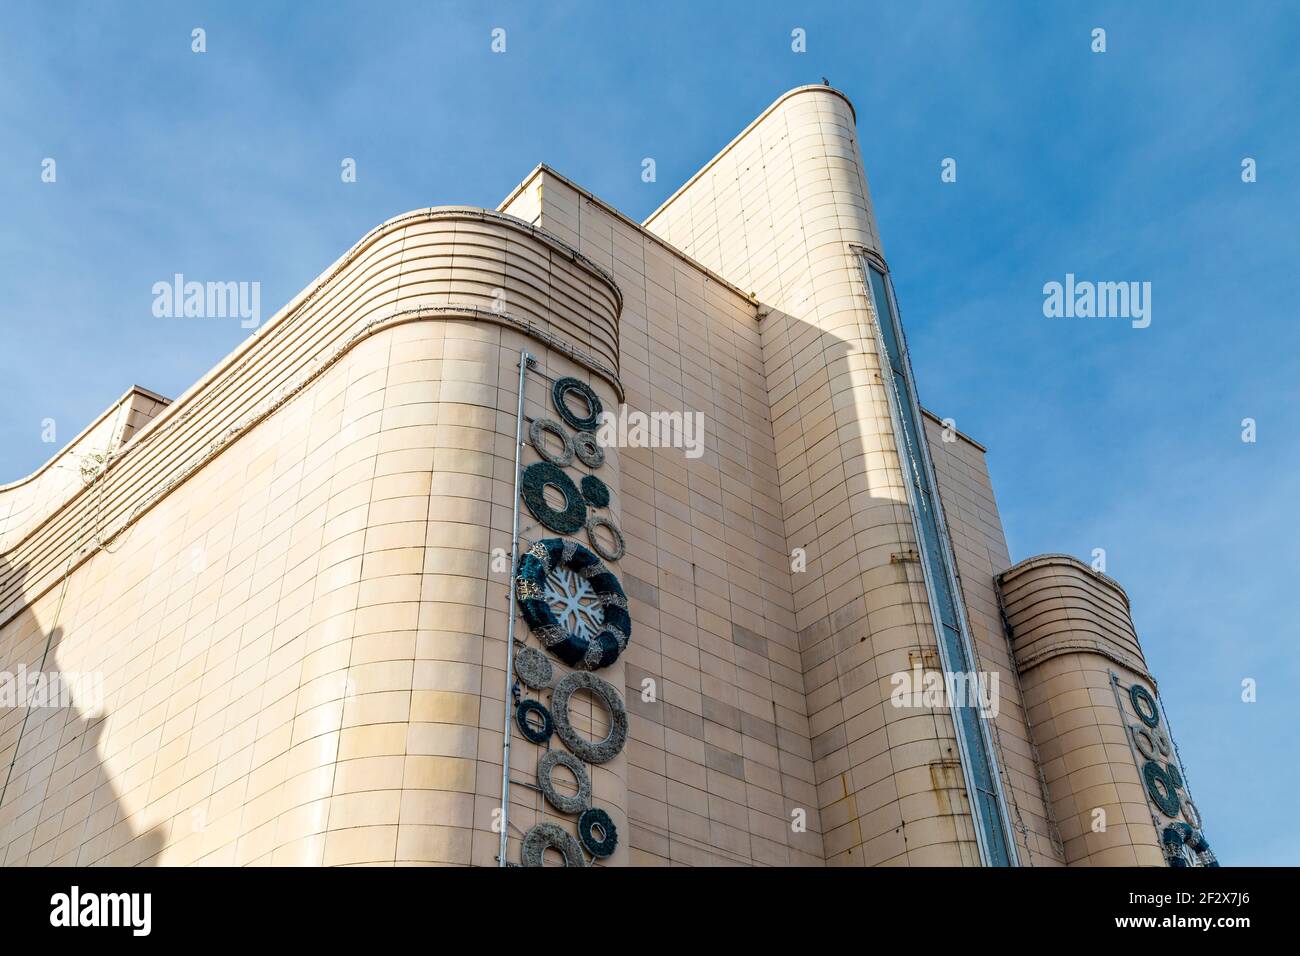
[[1117, 166]]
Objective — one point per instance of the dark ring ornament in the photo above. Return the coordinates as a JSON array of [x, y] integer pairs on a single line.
[[1179, 835], [546, 764], [595, 491], [533, 668], [537, 430], [546, 836], [527, 707], [591, 818], [592, 751], [1160, 785], [534, 481], [609, 554], [588, 653], [1175, 775], [588, 449], [1140, 696], [559, 393]]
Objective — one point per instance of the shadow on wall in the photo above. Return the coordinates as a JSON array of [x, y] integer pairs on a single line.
[[58, 803], [866, 614]]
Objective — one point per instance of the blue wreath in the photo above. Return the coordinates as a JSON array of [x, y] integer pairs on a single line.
[[533, 484], [538, 735], [1144, 705], [591, 818], [1161, 787], [1179, 835], [581, 652]]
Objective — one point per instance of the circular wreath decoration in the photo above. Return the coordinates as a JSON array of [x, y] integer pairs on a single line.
[[1146, 744], [537, 736], [588, 449], [1154, 745], [609, 554], [592, 751], [592, 818], [1160, 785], [534, 481], [546, 765], [560, 392], [595, 491], [576, 650], [1144, 705], [537, 430], [533, 668], [546, 836]]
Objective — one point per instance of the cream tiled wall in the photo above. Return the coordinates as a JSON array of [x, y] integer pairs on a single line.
[[26, 502], [1070, 629], [980, 547], [720, 760], [781, 211], [285, 581]]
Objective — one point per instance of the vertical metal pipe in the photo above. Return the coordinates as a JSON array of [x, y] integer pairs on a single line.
[[524, 361]]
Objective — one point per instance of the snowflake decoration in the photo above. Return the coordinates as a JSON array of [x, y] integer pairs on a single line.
[[575, 603]]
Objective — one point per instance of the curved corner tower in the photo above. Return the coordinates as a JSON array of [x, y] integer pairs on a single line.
[[1117, 788], [285, 583]]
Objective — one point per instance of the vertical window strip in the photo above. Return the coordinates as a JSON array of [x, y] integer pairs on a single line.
[[976, 752]]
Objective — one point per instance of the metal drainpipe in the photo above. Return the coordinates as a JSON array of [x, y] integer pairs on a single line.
[[525, 360]]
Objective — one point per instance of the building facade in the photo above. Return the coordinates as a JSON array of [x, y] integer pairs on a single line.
[[759, 608]]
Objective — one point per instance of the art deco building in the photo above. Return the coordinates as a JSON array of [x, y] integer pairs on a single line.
[[793, 638]]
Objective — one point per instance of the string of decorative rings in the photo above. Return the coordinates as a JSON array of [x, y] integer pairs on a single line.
[[538, 735], [537, 430], [577, 609], [599, 546], [546, 765], [548, 836], [592, 626], [562, 389], [592, 751]]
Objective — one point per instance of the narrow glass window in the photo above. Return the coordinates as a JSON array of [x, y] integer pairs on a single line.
[[987, 806]]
